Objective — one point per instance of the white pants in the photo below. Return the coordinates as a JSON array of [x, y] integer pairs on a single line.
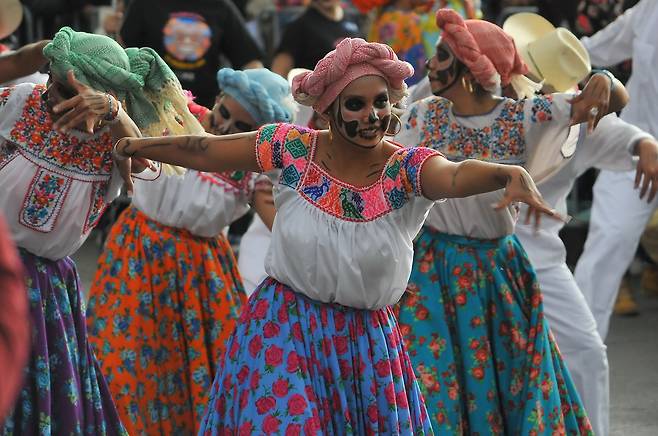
[[574, 328], [618, 220], [253, 250]]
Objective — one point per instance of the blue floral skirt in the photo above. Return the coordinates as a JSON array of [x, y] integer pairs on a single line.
[[64, 392], [297, 366], [473, 322]]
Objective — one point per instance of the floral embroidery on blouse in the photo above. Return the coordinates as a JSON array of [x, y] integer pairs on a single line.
[[44, 200], [239, 182], [97, 205], [398, 182], [61, 160], [4, 95], [502, 141], [33, 132], [541, 109]]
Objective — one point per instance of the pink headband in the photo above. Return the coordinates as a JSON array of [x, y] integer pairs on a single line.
[[485, 49], [352, 58]]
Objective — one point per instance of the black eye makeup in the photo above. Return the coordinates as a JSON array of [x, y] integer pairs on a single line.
[[354, 104], [381, 101], [224, 112]]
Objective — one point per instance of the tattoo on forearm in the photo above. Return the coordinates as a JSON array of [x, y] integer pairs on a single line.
[[524, 182], [194, 144]]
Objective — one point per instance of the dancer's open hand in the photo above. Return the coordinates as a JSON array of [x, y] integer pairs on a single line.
[[88, 107], [592, 103], [521, 187]]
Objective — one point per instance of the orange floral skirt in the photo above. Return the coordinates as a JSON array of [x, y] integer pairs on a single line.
[[162, 305]]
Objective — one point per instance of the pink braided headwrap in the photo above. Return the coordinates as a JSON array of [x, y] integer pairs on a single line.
[[352, 58], [486, 50]]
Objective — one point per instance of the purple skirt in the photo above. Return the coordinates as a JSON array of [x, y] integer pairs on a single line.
[[297, 366], [64, 392]]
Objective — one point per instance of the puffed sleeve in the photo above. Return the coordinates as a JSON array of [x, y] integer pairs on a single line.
[[285, 147]]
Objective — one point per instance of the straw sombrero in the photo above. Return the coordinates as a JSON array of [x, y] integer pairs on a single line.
[[552, 54], [11, 15]]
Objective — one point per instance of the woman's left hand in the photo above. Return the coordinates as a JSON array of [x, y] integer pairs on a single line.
[[88, 106], [592, 103], [521, 187]]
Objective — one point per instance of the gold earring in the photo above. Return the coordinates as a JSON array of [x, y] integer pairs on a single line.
[[467, 84], [399, 122], [331, 136]]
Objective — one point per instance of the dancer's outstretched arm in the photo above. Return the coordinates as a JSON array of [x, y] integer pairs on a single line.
[[441, 178], [205, 153]]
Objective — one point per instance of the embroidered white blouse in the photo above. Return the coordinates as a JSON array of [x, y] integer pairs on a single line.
[[334, 242], [203, 203], [533, 133], [55, 186]]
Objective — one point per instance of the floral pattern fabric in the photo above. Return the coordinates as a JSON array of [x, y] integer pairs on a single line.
[[473, 322], [296, 366], [502, 141], [65, 392], [401, 30], [162, 305], [34, 134], [291, 149]]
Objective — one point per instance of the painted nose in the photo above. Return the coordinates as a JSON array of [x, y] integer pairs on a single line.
[[372, 117]]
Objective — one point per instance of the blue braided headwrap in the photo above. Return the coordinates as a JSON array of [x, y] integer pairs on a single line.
[[264, 94]]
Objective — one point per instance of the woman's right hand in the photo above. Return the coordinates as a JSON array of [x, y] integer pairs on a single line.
[[521, 188]]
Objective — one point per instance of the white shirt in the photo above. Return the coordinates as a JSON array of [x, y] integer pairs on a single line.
[[203, 203], [609, 147], [633, 35], [528, 132], [55, 186], [334, 242]]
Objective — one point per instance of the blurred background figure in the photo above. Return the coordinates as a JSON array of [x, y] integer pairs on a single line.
[[191, 36], [618, 216], [312, 35]]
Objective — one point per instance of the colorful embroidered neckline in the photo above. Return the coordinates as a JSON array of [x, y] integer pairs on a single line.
[[34, 135], [397, 183], [501, 141]]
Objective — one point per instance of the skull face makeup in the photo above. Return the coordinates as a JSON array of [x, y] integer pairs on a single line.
[[228, 116], [443, 69], [362, 112]]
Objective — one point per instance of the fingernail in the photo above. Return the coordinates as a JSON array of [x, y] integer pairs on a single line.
[[129, 194]]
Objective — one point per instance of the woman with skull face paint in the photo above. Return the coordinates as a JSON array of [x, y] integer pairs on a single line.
[[169, 275], [317, 347], [472, 315]]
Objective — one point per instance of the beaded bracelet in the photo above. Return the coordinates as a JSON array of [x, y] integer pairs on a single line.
[[112, 112]]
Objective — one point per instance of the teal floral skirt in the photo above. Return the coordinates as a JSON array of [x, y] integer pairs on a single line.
[[473, 322]]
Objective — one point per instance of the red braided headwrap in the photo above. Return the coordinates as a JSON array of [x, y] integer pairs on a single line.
[[352, 58], [486, 50]]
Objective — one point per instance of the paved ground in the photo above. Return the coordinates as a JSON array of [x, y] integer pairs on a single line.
[[632, 353]]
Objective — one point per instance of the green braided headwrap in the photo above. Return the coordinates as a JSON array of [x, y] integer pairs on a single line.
[[139, 77]]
